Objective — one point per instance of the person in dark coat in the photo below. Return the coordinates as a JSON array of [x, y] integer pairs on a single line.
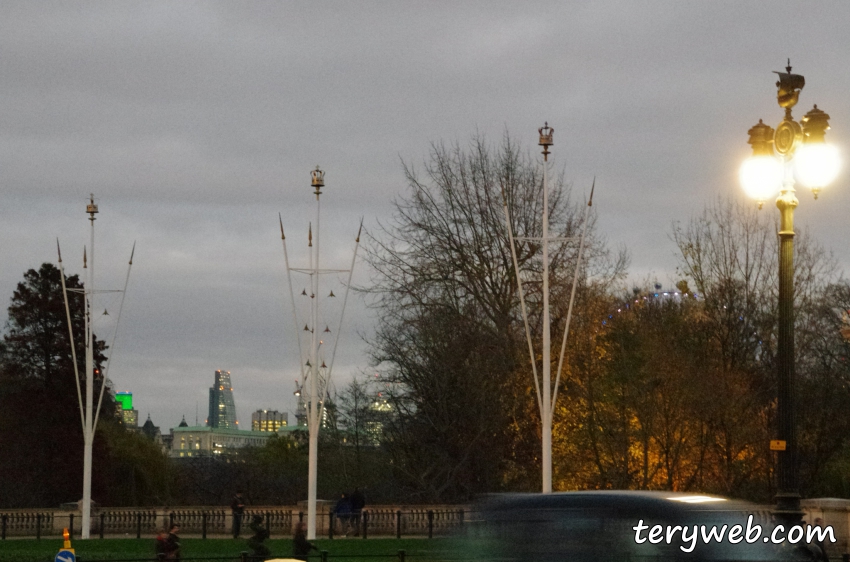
[[342, 511], [358, 502], [824, 557], [255, 543], [301, 547], [159, 547], [172, 544], [237, 508]]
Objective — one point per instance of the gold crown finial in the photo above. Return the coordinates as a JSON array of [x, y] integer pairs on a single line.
[[91, 208], [317, 181], [546, 133]]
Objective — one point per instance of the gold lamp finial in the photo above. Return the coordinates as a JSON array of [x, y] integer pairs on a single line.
[[789, 86]]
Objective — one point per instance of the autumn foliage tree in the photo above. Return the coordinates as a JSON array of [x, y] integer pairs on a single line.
[[676, 390]]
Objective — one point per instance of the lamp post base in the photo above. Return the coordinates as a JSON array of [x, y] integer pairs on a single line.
[[788, 510]]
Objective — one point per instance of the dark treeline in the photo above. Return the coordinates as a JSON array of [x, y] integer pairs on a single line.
[[668, 391]]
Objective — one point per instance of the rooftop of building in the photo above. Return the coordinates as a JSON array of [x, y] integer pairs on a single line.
[[237, 432]]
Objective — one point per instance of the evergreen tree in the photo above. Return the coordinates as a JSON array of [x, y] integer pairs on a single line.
[[40, 424]]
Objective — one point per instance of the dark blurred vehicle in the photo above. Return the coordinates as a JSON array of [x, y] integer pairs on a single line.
[[598, 526]]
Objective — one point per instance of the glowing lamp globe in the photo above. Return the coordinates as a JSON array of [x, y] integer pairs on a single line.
[[761, 177], [816, 165]]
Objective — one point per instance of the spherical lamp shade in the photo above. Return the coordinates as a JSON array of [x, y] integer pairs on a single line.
[[816, 165], [761, 177]]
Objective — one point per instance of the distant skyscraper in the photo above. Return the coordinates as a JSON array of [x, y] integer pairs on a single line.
[[124, 404], [268, 420], [222, 406]]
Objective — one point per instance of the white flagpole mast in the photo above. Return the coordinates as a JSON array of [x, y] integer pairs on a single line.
[[313, 413], [546, 397], [88, 414], [317, 374], [88, 434], [545, 142]]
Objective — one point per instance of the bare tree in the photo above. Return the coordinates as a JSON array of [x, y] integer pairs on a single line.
[[449, 340], [730, 253]]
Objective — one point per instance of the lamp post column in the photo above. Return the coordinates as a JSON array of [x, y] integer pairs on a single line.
[[815, 165], [788, 494]]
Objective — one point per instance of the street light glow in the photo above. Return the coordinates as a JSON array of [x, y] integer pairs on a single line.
[[816, 164], [761, 177]]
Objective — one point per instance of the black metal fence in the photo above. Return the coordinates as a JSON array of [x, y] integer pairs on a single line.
[[125, 523], [323, 556]]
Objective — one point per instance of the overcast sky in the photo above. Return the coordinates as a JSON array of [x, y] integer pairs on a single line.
[[196, 123]]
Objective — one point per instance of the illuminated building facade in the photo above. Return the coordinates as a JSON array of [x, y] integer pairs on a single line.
[[189, 442], [268, 420], [222, 407]]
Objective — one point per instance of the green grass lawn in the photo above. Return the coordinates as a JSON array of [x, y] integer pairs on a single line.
[[359, 550]]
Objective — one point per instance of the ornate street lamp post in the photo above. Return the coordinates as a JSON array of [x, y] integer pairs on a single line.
[[804, 158]]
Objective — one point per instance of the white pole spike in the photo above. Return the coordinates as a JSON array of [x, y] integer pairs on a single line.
[[573, 293], [522, 305], [291, 297], [114, 336], [71, 336], [329, 373]]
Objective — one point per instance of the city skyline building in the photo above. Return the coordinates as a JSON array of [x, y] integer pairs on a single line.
[[268, 420], [222, 412], [124, 405], [191, 442]]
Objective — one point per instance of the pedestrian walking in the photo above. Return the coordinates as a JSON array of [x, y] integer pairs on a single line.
[[342, 510], [824, 557], [237, 508], [255, 543], [172, 544], [301, 547], [159, 546], [358, 502]]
